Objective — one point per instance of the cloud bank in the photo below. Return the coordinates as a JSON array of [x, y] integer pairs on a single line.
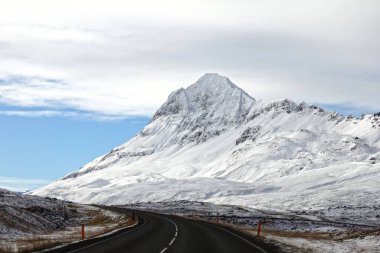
[[120, 59], [21, 185]]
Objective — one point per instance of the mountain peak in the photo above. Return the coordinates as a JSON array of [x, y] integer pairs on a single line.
[[212, 93], [211, 82], [213, 79]]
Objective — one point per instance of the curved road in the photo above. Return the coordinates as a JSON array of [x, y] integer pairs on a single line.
[[158, 233]]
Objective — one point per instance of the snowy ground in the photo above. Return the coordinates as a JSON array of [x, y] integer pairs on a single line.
[[32, 223], [334, 244]]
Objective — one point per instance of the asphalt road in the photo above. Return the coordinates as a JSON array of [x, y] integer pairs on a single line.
[[158, 233]]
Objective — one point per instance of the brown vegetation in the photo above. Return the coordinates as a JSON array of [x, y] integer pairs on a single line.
[[36, 244], [100, 223], [324, 236]]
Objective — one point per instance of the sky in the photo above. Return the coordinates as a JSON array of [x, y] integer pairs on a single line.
[[37, 151], [98, 70]]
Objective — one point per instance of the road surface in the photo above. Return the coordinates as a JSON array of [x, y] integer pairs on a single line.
[[158, 233]]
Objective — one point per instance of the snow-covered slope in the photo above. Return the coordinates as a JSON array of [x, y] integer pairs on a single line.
[[214, 142], [22, 215]]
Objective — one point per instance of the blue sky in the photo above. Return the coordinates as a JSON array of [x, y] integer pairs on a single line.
[[37, 150]]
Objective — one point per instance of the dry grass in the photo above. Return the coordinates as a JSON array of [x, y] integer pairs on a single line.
[[36, 245], [99, 224], [323, 236], [100, 219], [330, 238], [5, 249], [304, 235], [107, 224]]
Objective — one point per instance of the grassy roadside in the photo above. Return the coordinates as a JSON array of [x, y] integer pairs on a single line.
[[325, 242], [100, 222]]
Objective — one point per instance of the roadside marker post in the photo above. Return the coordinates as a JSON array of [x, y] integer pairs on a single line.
[[82, 231], [259, 229]]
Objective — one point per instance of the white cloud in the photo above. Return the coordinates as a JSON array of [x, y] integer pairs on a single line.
[[62, 113], [21, 184], [42, 113], [122, 58]]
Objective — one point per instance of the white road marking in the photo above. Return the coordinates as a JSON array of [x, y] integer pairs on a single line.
[[171, 242], [174, 237], [162, 251]]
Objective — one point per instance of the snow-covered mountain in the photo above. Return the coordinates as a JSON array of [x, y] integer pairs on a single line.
[[214, 142]]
